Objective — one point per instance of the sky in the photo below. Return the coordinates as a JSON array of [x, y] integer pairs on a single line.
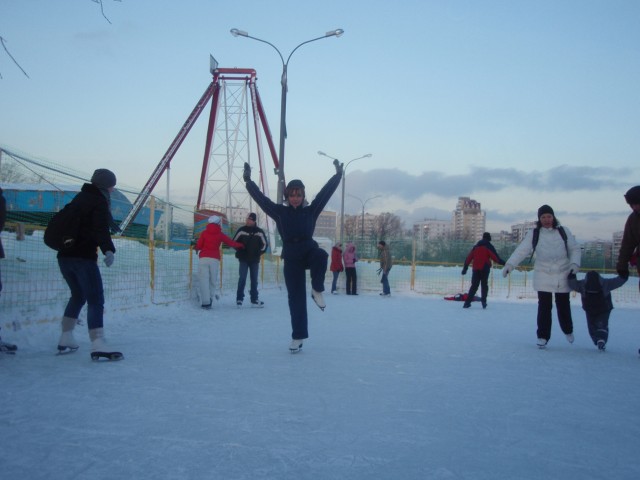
[[512, 103], [408, 386]]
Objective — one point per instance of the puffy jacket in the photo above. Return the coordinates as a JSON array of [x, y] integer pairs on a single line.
[[551, 264], [481, 255], [336, 259], [210, 239], [254, 241], [349, 256], [94, 227]]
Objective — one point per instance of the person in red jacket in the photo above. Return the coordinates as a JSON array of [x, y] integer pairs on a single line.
[[208, 248], [481, 256], [336, 266]]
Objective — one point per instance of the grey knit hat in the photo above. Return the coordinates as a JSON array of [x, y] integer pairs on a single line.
[[103, 178]]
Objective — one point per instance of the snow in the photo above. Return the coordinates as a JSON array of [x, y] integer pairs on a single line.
[[408, 387]]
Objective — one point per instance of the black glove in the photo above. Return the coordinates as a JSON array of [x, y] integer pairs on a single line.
[[571, 276], [464, 270], [246, 174], [339, 166], [623, 272]]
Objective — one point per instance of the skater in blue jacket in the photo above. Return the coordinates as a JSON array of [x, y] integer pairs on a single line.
[[296, 222]]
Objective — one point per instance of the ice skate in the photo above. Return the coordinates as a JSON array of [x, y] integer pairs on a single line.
[[601, 344], [295, 346], [317, 297], [542, 343], [570, 337]]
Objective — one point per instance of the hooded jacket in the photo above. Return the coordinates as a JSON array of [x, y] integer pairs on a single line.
[[481, 255], [552, 264], [603, 301], [349, 255], [210, 239], [93, 208], [336, 259]]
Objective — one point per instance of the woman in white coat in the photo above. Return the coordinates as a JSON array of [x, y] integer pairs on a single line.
[[556, 255]]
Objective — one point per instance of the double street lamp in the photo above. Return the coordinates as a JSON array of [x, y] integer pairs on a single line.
[[283, 103], [344, 171], [363, 205]]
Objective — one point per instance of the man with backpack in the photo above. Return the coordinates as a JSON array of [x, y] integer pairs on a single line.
[[556, 255], [595, 293], [83, 230]]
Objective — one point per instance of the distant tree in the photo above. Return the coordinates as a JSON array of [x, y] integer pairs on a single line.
[[387, 226]]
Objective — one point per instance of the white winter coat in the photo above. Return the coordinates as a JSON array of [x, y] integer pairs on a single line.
[[551, 263]]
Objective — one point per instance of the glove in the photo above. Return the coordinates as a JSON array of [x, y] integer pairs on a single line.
[[464, 270], [339, 166], [108, 258], [508, 268], [573, 268], [246, 174], [571, 276], [623, 272]]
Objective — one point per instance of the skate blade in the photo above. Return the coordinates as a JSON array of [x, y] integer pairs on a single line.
[[63, 349], [110, 356]]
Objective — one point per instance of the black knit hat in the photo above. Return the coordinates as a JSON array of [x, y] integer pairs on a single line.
[[252, 216], [633, 195], [545, 209], [486, 236], [103, 178]]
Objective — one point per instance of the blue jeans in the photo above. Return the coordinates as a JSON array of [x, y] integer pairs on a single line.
[[85, 283], [334, 284], [252, 269], [385, 284]]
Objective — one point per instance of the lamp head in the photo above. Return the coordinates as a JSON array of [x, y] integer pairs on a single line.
[[335, 33], [235, 32]]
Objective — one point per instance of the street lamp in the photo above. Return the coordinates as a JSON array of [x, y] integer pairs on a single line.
[[344, 171], [283, 103], [363, 205]]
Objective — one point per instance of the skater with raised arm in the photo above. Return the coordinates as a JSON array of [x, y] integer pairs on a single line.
[[296, 222]]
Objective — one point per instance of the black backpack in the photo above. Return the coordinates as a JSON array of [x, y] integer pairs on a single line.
[[63, 229], [536, 237]]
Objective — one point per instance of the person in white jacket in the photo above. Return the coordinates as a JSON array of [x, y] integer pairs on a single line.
[[556, 255]]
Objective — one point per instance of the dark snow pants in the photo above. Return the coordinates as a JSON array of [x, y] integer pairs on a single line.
[[295, 280], [479, 278], [563, 308], [598, 326], [352, 280]]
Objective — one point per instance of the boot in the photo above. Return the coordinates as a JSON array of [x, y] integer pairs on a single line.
[[99, 347], [67, 342]]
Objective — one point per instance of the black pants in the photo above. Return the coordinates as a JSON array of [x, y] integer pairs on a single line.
[[563, 309], [352, 280], [295, 279], [479, 278]]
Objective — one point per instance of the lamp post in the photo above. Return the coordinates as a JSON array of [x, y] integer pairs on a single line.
[[344, 171], [283, 102], [363, 205]]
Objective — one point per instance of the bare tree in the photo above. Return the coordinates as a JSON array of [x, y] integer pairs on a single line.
[[388, 226]]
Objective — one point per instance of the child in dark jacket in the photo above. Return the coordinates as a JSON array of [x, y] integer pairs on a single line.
[[296, 222], [595, 292]]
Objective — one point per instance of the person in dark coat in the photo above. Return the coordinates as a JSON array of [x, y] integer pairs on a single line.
[[350, 258], [255, 244], [296, 222], [4, 346], [480, 257], [79, 262], [595, 293]]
